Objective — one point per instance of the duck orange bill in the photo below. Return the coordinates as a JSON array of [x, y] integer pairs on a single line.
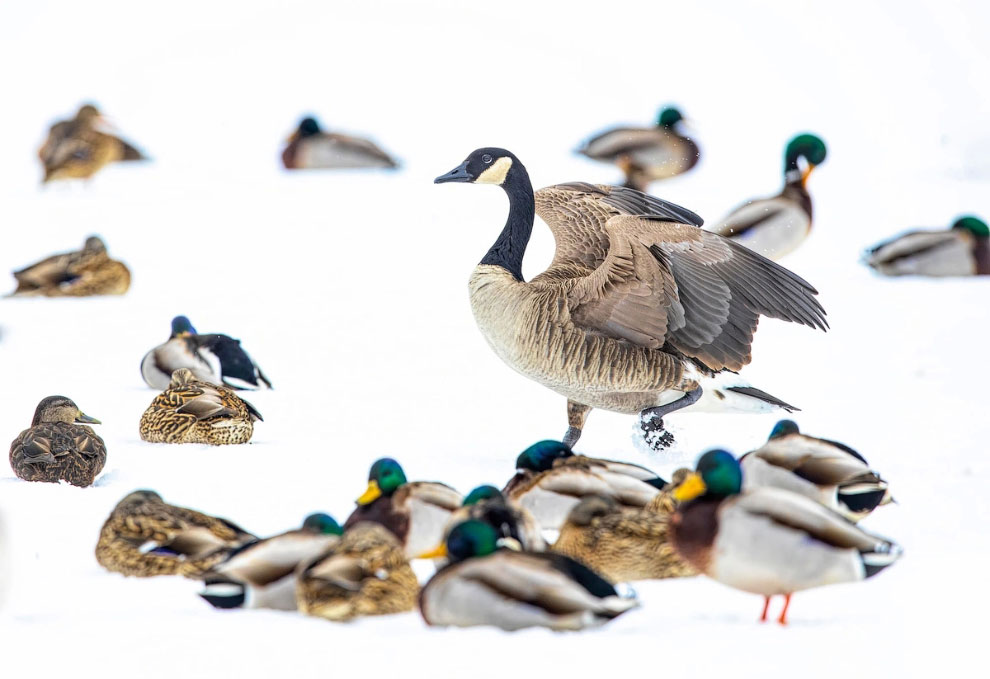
[[438, 552], [372, 493], [690, 488], [806, 174]]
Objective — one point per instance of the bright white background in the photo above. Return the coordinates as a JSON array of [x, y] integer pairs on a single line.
[[350, 290]]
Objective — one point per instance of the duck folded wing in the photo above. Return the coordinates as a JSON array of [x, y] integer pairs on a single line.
[[758, 213], [914, 243], [578, 483], [345, 572], [207, 403], [36, 448], [815, 461], [433, 493]]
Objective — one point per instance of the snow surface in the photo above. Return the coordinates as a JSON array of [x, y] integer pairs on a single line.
[[350, 291]]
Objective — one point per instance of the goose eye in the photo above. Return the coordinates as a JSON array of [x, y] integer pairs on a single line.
[[486, 159]]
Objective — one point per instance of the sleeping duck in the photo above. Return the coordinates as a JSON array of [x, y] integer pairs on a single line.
[[310, 147], [79, 273], [211, 357], [509, 519], [80, 147], [59, 446], [963, 250]]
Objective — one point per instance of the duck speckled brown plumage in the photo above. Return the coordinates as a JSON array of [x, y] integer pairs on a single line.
[[55, 448], [365, 573], [78, 148], [145, 536], [190, 411], [79, 273]]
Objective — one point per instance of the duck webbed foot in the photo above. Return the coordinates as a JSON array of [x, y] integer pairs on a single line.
[[651, 420]]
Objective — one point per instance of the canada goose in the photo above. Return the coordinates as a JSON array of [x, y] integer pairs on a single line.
[[79, 273], [777, 225], [58, 446], [78, 148], [638, 310], [768, 540], [192, 411], [310, 147], [963, 250], [646, 154], [144, 536], [212, 358]]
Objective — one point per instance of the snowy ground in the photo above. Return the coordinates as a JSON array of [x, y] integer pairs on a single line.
[[350, 290]]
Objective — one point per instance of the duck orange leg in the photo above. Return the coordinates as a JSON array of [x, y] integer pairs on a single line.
[[766, 607], [783, 614]]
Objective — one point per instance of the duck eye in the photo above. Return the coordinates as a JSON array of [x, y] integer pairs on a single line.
[[486, 159]]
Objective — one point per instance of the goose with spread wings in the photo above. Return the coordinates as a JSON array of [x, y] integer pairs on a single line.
[[640, 311]]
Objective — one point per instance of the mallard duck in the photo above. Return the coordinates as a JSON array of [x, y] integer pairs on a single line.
[[145, 536], [58, 446], [619, 544], [826, 471], [639, 310], [417, 512], [310, 147], [485, 585], [777, 225], [79, 148], [262, 574], [646, 154], [211, 358], [963, 250], [768, 540], [509, 519], [191, 411], [550, 480], [365, 573], [79, 273]]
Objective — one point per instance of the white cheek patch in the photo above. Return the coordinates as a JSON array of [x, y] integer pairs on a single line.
[[496, 173]]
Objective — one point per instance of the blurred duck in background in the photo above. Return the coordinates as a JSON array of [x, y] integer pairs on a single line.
[[80, 273], [776, 226], [310, 147], [963, 250], [646, 154], [80, 147]]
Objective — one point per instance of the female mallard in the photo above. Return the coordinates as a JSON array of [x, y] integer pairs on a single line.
[[485, 585], [144, 536], [416, 513], [777, 225], [509, 519], [212, 358], [826, 471], [768, 540], [79, 273], [191, 411], [310, 147], [55, 448], [365, 573], [262, 574], [619, 544], [639, 309], [646, 154], [963, 250], [550, 480], [79, 148]]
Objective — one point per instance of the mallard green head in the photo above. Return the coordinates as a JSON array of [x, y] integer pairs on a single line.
[[974, 225], [182, 327], [321, 523], [481, 493], [540, 456], [783, 428], [308, 127], [469, 539], [717, 474], [386, 476], [60, 409], [806, 146], [669, 117]]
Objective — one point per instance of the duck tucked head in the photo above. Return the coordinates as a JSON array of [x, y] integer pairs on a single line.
[[592, 507], [180, 377], [974, 225], [669, 117], [308, 127], [783, 428], [182, 327], [806, 146], [60, 409], [540, 456], [488, 165], [471, 538], [322, 523], [386, 476], [94, 244], [481, 493], [717, 475]]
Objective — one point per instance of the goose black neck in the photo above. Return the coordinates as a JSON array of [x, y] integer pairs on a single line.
[[510, 246]]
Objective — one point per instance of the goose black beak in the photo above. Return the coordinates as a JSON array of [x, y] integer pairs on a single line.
[[458, 174]]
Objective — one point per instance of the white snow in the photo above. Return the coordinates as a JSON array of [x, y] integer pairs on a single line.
[[349, 289]]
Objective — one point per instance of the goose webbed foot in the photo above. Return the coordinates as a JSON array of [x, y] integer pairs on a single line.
[[651, 419]]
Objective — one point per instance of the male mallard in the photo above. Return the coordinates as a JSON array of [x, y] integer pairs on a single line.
[[365, 573], [144, 536], [768, 540], [777, 225], [417, 512], [550, 480], [212, 358], [55, 448], [646, 154], [620, 545], [191, 411], [79, 273], [485, 585], [826, 471], [963, 250], [310, 147], [509, 519], [262, 574], [79, 148]]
